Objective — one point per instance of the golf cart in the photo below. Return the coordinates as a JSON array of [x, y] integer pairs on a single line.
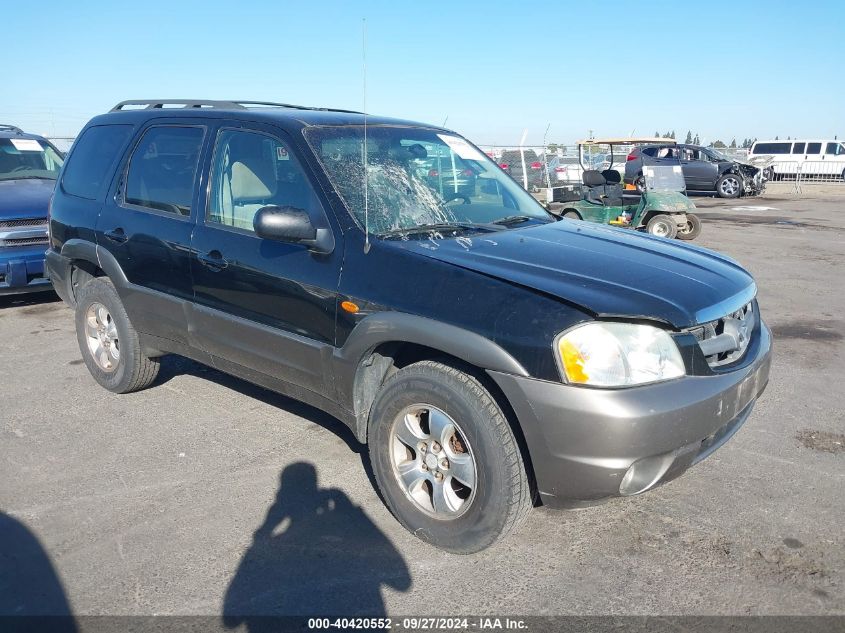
[[661, 208]]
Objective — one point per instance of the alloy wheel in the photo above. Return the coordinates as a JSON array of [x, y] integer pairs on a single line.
[[729, 186], [432, 461], [101, 336]]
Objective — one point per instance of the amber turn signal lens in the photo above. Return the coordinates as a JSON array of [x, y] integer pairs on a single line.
[[349, 306]]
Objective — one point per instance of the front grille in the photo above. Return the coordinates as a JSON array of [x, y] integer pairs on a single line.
[[25, 241], [13, 224], [725, 340]]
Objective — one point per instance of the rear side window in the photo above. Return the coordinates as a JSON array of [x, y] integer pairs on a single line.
[[814, 148], [162, 169], [650, 151], [798, 148], [772, 148], [89, 168]]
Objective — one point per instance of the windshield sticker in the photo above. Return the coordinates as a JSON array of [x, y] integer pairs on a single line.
[[26, 144], [461, 147], [282, 153]]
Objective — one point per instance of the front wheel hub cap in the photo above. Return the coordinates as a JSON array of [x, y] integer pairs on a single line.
[[432, 461]]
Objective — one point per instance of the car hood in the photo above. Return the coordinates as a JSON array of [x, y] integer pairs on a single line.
[[606, 271], [25, 198]]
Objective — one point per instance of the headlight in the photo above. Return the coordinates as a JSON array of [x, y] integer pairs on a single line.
[[618, 355]]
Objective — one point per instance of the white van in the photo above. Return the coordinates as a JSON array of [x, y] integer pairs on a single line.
[[821, 157]]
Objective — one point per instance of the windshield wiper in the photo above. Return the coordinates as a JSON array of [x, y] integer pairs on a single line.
[[438, 226], [514, 219], [12, 177]]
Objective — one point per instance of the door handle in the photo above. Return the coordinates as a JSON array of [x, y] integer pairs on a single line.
[[213, 260], [116, 235]]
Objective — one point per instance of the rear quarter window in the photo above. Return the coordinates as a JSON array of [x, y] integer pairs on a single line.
[[91, 159]]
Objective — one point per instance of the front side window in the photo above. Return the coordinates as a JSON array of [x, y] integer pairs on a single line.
[[250, 171], [28, 158], [417, 178], [834, 149], [162, 169]]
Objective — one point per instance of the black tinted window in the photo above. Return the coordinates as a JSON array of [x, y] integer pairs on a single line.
[[89, 168], [162, 168], [650, 151], [772, 148], [814, 148], [798, 148], [834, 149]]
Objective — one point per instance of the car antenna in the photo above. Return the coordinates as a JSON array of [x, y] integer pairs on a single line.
[[364, 148]]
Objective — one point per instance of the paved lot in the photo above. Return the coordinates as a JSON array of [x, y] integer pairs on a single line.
[[148, 503]]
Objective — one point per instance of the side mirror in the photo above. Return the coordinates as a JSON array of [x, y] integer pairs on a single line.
[[291, 225]]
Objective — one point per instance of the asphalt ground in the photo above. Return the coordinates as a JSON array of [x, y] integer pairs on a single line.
[[206, 495]]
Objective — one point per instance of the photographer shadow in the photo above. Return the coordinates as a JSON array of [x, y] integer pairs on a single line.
[[316, 554], [32, 597]]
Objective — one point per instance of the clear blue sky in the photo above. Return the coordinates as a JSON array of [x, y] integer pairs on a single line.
[[721, 68]]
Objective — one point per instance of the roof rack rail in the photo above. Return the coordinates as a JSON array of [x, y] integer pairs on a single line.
[[11, 128], [152, 104]]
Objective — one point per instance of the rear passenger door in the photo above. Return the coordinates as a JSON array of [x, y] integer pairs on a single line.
[[146, 224], [260, 304]]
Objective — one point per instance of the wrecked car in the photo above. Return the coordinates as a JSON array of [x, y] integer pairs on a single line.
[[706, 169]]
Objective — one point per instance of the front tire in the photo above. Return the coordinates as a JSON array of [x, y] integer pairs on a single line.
[[572, 215], [729, 186], [662, 225], [692, 229], [108, 342], [445, 458]]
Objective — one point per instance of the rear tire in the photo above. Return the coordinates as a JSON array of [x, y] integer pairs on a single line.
[[572, 215], [445, 458], [108, 342], [692, 229], [729, 186], [662, 225]]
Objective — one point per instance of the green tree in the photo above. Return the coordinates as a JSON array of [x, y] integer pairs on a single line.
[[718, 144], [696, 140], [733, 143], [688, 141]]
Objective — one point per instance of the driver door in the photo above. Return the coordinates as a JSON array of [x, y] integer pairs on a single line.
[[262, 304]]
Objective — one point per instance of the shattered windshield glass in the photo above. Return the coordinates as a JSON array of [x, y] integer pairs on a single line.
[[418, 178]]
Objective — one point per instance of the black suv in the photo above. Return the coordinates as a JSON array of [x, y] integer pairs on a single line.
[[706, 170], [491, 355]]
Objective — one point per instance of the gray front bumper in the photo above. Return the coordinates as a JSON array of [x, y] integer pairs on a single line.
[[582, 441]]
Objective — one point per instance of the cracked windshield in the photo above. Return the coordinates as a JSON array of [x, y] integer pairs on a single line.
[[420, 182]]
